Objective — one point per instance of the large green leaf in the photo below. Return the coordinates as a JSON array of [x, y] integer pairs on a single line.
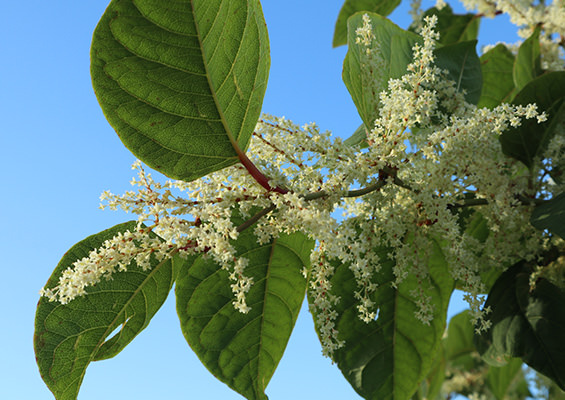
[[362, 80], [551, 216], [389, 357], [182, 82], [68, 337], [350, 7], [464, 67], [243, 350], [530, 138], [498, 86], [454, 28], [526, 322], [527, 66], [365, 82]]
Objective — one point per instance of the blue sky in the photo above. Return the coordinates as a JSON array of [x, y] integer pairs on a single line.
[[59, 154]]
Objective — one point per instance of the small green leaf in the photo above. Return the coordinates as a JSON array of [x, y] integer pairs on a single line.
[[475, 225], [389, 357], [461, 356], [68, 337], [458, 344], [361, 78], [464, 66], [530, 139], [502, 380], [527, 66], [182, 82], [498, 86], [350, 7], [454, 28], [502, 341], [551, 216], [556, 128], [526, 322], [243, 350], [359, 138], [430, 388]]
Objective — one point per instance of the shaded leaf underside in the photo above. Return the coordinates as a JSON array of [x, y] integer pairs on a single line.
[[526, 322], [182, 82], [243, 350], [388, 358], [68, 337]]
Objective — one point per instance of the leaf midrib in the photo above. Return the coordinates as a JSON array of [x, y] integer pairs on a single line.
[[108, 330], [208, 78]]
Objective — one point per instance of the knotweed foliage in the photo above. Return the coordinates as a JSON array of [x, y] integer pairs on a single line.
[[454, 180]]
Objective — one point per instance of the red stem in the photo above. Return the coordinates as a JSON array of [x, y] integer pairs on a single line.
[[258, 175]]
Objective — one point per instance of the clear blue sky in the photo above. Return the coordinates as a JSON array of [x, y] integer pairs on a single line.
[[59, 154]]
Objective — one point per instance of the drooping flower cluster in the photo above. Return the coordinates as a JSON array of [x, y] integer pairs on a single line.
[[430, 155]]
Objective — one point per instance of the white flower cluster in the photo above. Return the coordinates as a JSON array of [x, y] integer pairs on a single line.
[[528, 15], [431, 155], [114, 255], [211, 232]]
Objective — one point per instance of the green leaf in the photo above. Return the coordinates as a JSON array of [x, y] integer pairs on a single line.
[[350, 7], [182, 82], [464, 66], [530, 139], [388, 358], [454, 28], [502, 340], [359, 138], [556, 128], [527, 66], [553, 391], [502, 380], [243, 350], [430, 388], [498, 85], [458, 344], [551, 216], [362, 79], [461, 356], [68, 337], [526, 322]]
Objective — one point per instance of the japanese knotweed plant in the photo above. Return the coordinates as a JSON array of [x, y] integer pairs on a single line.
[[454, 180]]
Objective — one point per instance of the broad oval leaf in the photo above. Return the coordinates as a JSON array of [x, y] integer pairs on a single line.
[[502, 341], [528, 140], [464, 68], [498, 86], [68, 337], [461, 356], [505, 381], [551, 215], [388, 358], [526, 322], [454, 28], [182, 82], [350, 7], [458, 343], [363, 81], [527, 66], [243, 350]]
